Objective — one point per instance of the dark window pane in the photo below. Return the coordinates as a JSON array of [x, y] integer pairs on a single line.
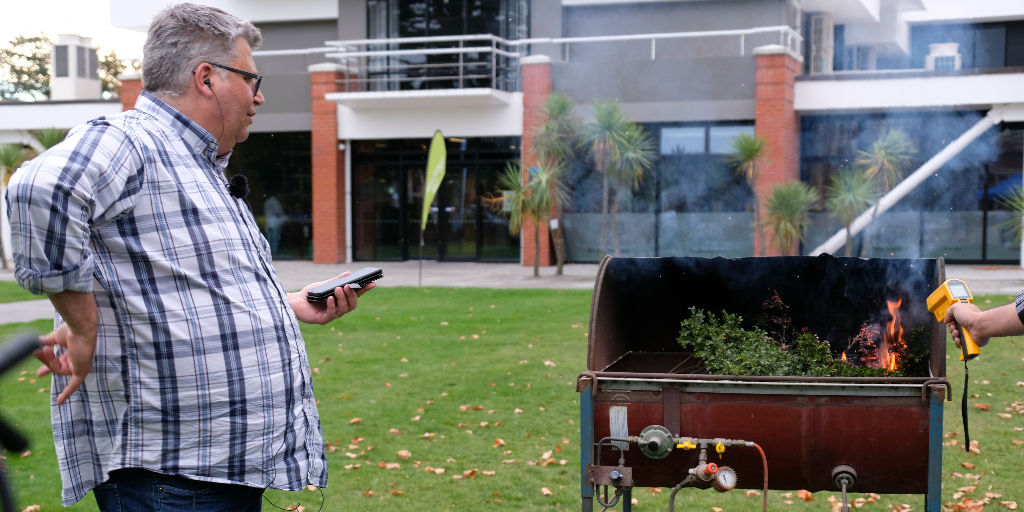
[[60, 56], [94, 64], [81, 61], [680, 141]]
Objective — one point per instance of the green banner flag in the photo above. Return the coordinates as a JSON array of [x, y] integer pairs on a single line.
[[436, 164]]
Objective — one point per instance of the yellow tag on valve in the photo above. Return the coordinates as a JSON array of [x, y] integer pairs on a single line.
[[951, 292], [720, 448]]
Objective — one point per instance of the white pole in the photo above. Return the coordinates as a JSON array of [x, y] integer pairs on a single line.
[[348, 201], [994, 117], [1022, 241]]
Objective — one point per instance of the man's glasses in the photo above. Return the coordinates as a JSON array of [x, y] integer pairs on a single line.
[[254, 76]]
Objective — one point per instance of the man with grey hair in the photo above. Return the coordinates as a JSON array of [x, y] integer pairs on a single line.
[[181, 379]]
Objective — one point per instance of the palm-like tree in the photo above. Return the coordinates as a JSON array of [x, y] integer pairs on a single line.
[[748, 156], [604, 137], [636, 155], [556, 142], [1014, 201], [50, 137], [849, 195], [788, 213], [888, 159], [535, 199], [11, 156]]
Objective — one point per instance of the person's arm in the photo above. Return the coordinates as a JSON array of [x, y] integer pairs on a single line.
[[344, 300], [1000, 321], [78, 337]]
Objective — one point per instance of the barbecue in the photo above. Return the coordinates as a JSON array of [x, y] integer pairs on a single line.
[[652, 415]]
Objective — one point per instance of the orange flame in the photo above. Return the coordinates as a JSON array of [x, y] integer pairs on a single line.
[[893, 336], [844, 357]]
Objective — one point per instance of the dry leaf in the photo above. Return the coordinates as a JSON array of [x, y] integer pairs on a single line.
[[469, 473], [517, 411], [752, 492], [404, 454], [451, 460], [951, 434], [26, 453], [396, 493], [1012, 505], [444, 323], [716, 509], [565, 440], [1004, 415], [353, 421], [368, 493], [439, 471], [349, 466], [983, 407], [395, 431], [499, 442], [31, 508], [546, 491], [547, 454], [464, 407], [993, 495], [655, 490], [479, 408], [428, 435], [1016, 442], [549, 363], [968, 465], [804, 495], [788, 502], [483, 423], [859, 502], [787, 495], [316, 371], [968, 489], [415, 418], [634, 501], [488, 473]]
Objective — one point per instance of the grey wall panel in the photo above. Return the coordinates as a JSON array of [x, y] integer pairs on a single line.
[[351, 20], [546, 21], [679, 16], [639, 81], [286, 82]]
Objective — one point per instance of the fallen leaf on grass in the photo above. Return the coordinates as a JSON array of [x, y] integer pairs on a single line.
[[951, 434], [634, 501], [508, 461], [404, 454], [428, 435], [993, 495], [787, 495], [656, 490], [788, 502], [983, 407], [488, 473], [1004, 415], [1012, 505], [546, 491], [517, 411], [969, 489], [549, 363], [752, 492], [859, 502], [471, 473], [316, 371], [310, 487], [804, 495], [353, 466], [968, 465], [716, 509], [499, 442], [484, 423], [395, 431], [968, 505], [368, 493], [1016, 442], [415, 418], [31, 508], [26, 453], [396, 493], [353, 421], [439, 471]]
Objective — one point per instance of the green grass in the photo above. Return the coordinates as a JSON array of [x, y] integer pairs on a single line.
[[366, 350], [11, 292]]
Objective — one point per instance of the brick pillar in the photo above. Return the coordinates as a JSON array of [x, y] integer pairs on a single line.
[[536, 88], [131, 87], [328, 167], [777, 123]]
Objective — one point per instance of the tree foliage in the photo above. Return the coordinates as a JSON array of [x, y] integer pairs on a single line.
[[849, 195], [110, 67], [787, 213], [747, 158], [25, 68], [50, 137]]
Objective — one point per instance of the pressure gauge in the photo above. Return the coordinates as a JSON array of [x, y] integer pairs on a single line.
[[724, 479]]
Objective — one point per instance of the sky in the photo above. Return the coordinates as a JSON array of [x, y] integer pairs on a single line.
[[88, 18]]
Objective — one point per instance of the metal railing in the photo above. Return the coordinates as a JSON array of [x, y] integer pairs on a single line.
[[480, 60]]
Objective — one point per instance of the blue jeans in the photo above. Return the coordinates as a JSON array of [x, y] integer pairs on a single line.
[[137, 490]]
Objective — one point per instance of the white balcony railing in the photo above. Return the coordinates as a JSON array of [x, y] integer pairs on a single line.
[[482, 60]]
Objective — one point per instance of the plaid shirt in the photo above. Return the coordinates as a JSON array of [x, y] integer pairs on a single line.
[[200, 369]]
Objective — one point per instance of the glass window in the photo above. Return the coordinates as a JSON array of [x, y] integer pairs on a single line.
[[682, 141], [721, 137]]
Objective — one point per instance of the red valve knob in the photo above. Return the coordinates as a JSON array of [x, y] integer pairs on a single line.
[[711, 469]]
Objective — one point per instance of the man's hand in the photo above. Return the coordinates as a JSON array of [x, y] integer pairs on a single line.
[[343, 301], [967, 314], [77, 335]]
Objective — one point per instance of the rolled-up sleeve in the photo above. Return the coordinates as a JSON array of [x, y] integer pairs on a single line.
[[54, 200]]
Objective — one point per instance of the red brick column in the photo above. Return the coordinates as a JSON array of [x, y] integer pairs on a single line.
[[536, 88], [328, 167], [777, 123], [131, 87]]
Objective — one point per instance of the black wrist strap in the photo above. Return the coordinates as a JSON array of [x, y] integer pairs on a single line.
[[963, 410]]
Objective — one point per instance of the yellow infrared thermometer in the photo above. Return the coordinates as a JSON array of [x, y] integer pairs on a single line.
[[951, 292]]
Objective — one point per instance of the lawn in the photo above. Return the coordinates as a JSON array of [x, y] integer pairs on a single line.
[[394, 364], [11, 292]]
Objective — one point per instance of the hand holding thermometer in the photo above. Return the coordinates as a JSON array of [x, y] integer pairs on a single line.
[[951, 292]]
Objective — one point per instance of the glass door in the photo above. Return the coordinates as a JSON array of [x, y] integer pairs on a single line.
[[415, 179], [458, 196]]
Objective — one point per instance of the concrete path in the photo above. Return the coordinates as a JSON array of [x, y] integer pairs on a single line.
[[982, 279]]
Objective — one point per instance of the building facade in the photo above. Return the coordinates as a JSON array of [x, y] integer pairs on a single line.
[[355, 89]]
